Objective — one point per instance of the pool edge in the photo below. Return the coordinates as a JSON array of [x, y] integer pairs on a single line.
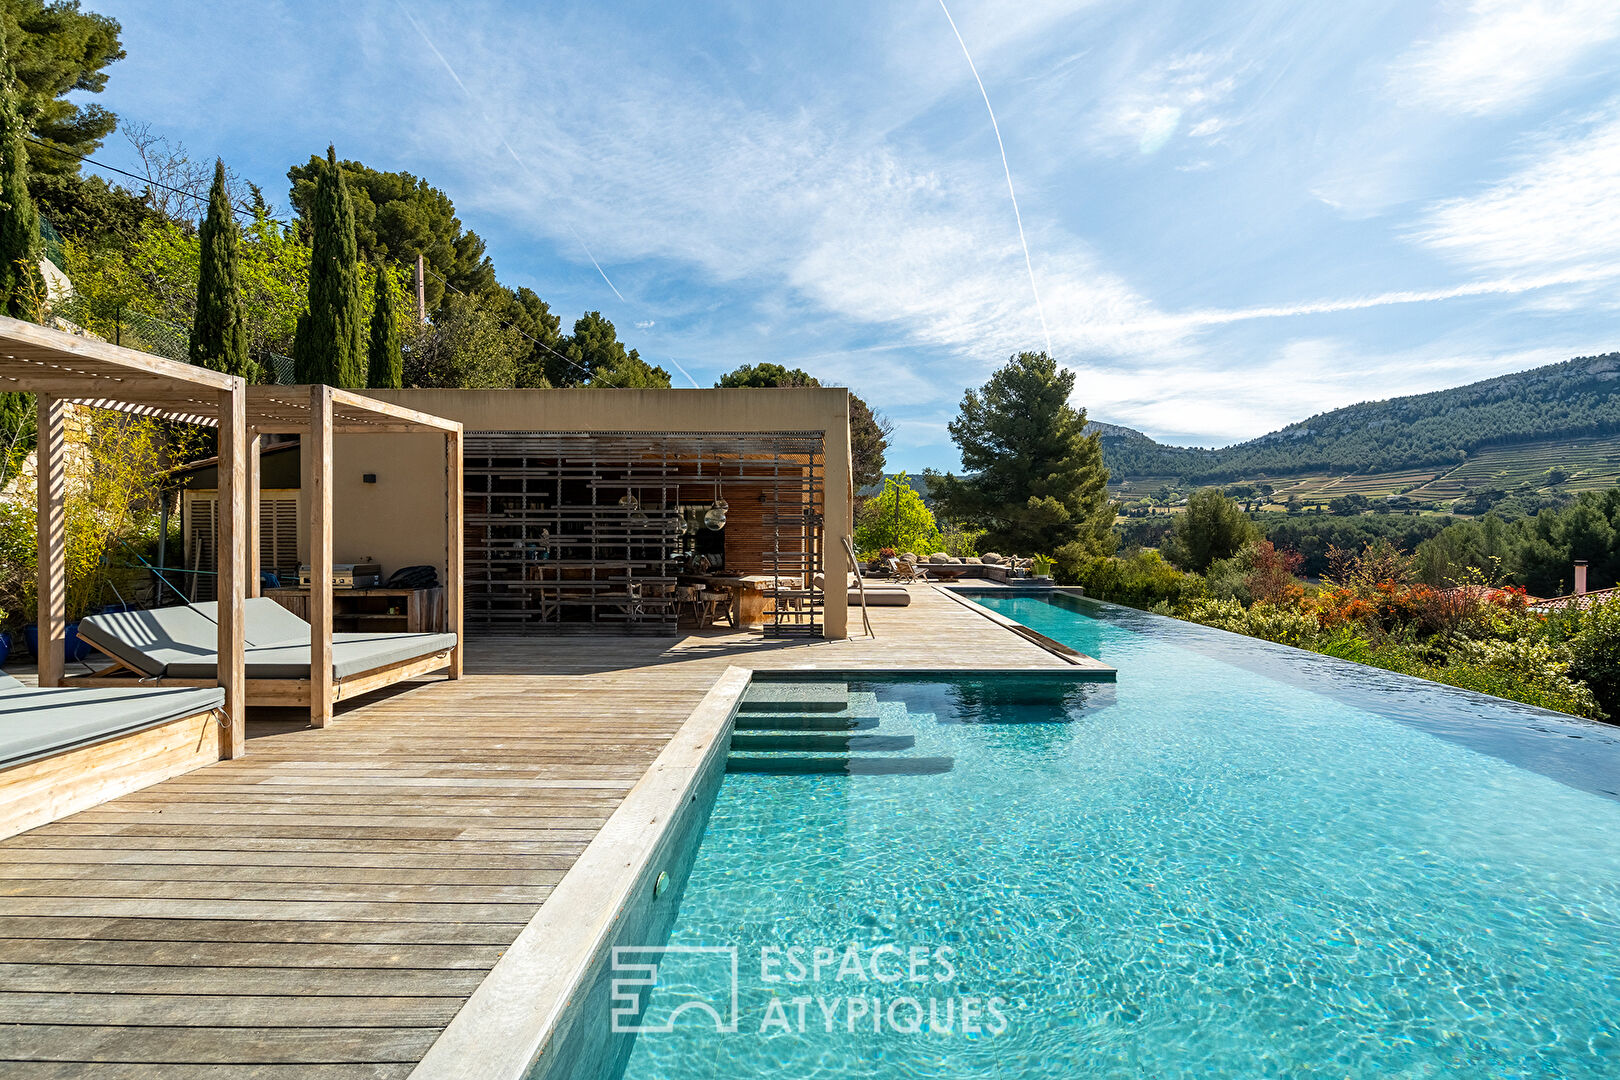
[[1089, 664]]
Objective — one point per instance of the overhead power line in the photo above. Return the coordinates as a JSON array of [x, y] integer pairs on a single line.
[[442, 280], [143, 179]]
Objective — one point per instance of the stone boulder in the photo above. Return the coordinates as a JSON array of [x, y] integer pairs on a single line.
[[990, 558], [938, 558]]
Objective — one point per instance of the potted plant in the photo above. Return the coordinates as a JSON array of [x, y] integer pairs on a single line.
[[1040, 569], [115, 467]]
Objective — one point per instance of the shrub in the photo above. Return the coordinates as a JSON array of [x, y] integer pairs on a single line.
[[1290, 626], [1142, 579], [1594, 651]]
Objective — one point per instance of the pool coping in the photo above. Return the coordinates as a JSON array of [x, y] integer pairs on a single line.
[[1073, 657], [506, 1027]]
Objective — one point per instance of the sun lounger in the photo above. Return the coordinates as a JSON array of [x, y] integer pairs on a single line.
[[176, 646], [64, 750]]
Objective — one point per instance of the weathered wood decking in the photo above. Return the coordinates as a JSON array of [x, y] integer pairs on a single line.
[[322, 907]]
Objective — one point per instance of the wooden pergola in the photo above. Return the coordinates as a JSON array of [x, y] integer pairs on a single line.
[[62, 369], [67, 369], [315, 414]]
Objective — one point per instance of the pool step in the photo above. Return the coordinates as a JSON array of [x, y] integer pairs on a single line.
[[796, 697], [822, 741], [802, 764], [795, 729], [823, 721]]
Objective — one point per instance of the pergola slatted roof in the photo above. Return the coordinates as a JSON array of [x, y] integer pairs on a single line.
[[81, 370], [39, 360]]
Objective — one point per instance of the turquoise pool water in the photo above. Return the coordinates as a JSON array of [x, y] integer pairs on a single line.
[[1240, 861]]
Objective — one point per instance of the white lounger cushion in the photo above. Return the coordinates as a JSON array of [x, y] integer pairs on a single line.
[[37, 723], [182, 642]]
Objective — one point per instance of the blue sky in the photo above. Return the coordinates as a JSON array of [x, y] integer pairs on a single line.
[[1237, 214]]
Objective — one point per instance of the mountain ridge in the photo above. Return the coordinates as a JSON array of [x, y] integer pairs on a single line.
[[1572, 398]]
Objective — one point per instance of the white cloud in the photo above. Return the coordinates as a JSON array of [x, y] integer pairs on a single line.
[[645, 324], [1305, 376], [1503, 53], [1556, 212], [1148, 111]]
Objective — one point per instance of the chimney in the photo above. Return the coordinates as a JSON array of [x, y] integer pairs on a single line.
[[1580, 577]]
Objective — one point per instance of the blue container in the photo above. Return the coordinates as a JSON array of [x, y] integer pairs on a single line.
[[5, 648], [73, 647]]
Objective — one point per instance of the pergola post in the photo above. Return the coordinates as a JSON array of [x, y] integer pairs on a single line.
[[233, 564], [254, 530], [318, 479], [452, 546], [52, 537], [838, 494]]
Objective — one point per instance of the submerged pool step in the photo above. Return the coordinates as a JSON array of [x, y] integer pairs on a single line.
[[864, 738], [796, 697], [828, 721], [823, 741], [802, 764]]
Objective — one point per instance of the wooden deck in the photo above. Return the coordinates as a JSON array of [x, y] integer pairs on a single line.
[[322, 907]]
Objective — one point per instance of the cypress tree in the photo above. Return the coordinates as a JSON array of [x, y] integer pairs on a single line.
[[21, 288], [386, 367], [219, 338], [330, 343]]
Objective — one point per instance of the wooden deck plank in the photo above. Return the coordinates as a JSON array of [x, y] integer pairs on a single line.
[[320, 908]]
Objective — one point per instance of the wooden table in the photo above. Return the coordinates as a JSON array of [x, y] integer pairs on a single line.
[[747, 594]]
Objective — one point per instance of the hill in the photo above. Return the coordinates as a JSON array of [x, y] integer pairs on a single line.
[[1424, 435]]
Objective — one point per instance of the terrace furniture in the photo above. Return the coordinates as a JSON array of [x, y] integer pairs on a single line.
[[389, 609], [64, 750], [174, 647], [906, 570]]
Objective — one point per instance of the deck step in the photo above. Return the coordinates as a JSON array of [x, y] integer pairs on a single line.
[[829, 742], [796, 697], [800, 764]]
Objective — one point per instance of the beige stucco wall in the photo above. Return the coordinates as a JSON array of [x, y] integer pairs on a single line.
[[399, 520]]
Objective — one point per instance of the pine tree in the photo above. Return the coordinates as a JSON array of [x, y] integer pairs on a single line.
[[1036, 480], [386, 367], [219, 337], [330, 343], [21, 288]]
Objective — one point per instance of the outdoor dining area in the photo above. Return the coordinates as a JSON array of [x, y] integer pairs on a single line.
[[172, 693]]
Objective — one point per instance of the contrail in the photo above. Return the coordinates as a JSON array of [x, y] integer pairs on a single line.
[[1006, 169], [1492, 287], [520, 162], [683, 371]]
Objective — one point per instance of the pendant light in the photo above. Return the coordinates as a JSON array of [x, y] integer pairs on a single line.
[[715, 519]]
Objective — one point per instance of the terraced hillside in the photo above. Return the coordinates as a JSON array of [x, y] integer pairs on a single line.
[[1577, 400]]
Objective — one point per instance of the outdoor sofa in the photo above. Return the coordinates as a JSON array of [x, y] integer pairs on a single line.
[[177, 646], [64, 750]]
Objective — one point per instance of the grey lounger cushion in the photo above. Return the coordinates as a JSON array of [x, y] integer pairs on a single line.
[[149, 641], [37, 723], [182, 642], [881, 598], [352, 654]]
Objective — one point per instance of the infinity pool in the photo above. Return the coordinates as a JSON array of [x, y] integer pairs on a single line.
[[1239, 861]]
